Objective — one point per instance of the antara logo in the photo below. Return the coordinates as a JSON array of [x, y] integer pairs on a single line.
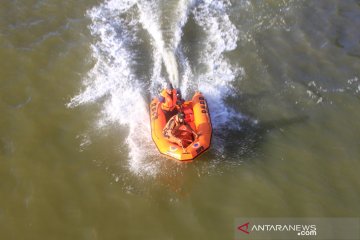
[[244, 228]]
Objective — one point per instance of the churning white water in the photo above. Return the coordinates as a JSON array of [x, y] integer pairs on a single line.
[[117, 28]]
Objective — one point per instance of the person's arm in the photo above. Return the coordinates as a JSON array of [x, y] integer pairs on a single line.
[[169, 125]]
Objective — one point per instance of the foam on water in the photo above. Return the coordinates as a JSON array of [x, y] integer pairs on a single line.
[[112, 82], [112, 79], [150, 21], [216, 81]]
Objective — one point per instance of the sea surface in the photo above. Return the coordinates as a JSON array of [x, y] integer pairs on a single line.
[[76, 77]]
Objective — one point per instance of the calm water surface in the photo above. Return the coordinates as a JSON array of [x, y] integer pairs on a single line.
[[76, 77]]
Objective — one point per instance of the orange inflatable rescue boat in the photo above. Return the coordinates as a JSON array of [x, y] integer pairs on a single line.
[[197, 116]]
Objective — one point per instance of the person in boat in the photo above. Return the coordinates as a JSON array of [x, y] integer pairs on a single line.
[[169, 101], [173, 125]]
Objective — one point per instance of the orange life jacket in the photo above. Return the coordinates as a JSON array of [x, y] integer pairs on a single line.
[[170, 103]]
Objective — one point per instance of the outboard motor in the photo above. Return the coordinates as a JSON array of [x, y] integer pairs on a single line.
[[179, 101], [178, 93]]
